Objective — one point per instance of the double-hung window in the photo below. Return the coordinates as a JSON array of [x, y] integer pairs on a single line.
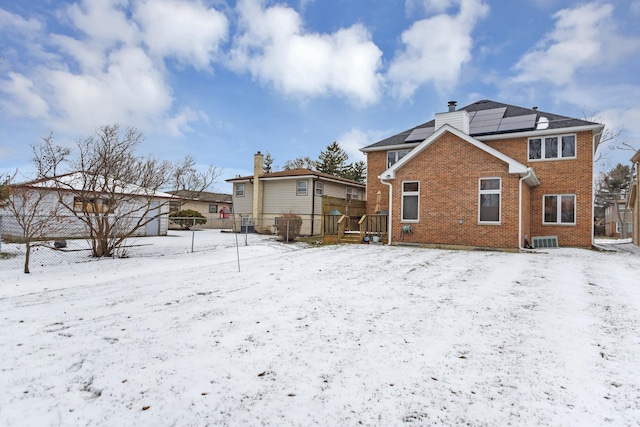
[[319, 188], [394, 156], [410, 201], [352, 193], [552, 147], [239, 190], [559, 209], [301, 188], [489, 196]]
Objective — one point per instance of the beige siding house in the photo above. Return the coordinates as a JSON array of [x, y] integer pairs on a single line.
[[634, 198], [259, 200], [210, 205]]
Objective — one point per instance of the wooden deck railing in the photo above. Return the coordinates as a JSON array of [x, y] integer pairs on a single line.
[[373, 225], [335, 227]]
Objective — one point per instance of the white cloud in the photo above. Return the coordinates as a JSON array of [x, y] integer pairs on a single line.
[[24, 99], [186, 30], [275, 48], [584, 37], [180, 123], [352, 141], [104, 22], [130, 90], [13, 22], [438, 6], [108, 65], [435, 50]]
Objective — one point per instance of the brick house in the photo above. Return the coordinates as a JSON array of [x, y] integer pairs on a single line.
[[487, 175]]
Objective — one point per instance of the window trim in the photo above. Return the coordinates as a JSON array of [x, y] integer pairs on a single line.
[[395, 152], [559, 209], [306, 187], [559, 148], [319, 191], [215, 208], [410, 194], [491, 191], [238, 193], [349, 193]]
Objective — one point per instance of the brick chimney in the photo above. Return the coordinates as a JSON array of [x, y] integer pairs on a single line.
[[457, 119]]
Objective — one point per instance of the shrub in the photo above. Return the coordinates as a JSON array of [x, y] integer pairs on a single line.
[[290, 233], [187, 218]]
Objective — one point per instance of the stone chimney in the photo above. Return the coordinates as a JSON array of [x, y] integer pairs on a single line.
[[258, 162], [457, 119]]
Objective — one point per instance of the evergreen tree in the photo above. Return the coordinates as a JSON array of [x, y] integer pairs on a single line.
[[613, 185], [266, 165], [356, 171], [332, 161]]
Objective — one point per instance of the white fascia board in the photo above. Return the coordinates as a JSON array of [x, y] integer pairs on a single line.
[[515, 167], [407, 145]]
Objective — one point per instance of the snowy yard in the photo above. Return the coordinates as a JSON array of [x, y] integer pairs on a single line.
[[328, 336]]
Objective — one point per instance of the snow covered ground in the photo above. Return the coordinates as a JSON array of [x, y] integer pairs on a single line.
[[322, 335]]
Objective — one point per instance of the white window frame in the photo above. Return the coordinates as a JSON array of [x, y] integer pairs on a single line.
[[239, 190], [396, 155], [352, 193], [299, 191], [482, 192], [410, 194], [215, 208], [543, 150], [559, 209], [319, 188]]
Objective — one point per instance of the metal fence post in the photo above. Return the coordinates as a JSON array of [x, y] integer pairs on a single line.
[[0, 233], [287, 230]]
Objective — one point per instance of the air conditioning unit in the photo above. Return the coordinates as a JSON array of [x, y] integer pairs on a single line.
[[544, 242]]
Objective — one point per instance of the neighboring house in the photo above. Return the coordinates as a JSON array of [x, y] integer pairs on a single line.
[[634, 197], [213, 206], [134, 202], [487, 175], [259, 200], [616, 213]]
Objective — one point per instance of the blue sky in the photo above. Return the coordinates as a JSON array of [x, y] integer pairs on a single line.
[[220, 80]]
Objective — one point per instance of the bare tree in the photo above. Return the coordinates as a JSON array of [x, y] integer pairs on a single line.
[[300, 163], [108, 181], [189, 180], [34, 210]]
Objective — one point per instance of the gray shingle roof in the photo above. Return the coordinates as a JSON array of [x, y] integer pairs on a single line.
[[556, 121]]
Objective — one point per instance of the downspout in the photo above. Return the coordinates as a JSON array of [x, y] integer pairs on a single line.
[[593, 184], [528, 175], [390, 219], [313, 203]]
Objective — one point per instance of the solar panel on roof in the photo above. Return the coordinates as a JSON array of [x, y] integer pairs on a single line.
[[491, 112], [419, 134], [516, 123]]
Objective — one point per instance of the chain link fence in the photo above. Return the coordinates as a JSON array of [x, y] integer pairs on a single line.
[[66, 240]]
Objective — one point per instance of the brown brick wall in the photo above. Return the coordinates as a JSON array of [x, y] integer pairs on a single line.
[[571, 176], [456, 165], [448, 171], [376, 164]]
